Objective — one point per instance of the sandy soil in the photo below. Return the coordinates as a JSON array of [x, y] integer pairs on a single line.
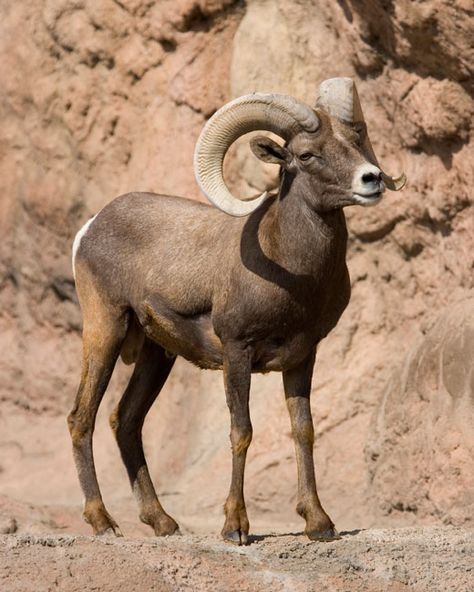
[[48, 548], [429, 558]]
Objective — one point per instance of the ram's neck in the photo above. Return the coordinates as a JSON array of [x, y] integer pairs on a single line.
[[302, 240]]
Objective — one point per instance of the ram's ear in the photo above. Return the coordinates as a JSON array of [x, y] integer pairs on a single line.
[[268, 150]]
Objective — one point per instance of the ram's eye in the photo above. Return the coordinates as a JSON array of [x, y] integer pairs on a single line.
[[306, 156], [360, 128]]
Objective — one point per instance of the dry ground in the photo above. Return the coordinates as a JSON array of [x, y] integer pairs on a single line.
[[419, 559]]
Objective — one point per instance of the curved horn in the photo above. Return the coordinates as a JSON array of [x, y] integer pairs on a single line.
[[280, 114], [339, 97]]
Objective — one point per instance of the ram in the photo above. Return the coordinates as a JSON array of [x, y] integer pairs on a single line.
[[246, 286]]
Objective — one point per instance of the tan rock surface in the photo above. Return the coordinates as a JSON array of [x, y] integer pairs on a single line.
[[423, 559], [421, 450], [99, 98]]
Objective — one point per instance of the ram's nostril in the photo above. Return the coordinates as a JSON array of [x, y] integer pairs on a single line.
[[371, 178]]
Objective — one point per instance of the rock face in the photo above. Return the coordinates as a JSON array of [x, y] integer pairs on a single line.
[[100, 98], [421, 450]]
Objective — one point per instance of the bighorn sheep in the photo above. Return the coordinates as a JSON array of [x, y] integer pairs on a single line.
[[159, 277]]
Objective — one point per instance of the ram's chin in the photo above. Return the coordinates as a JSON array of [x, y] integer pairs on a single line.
[[367, 200]]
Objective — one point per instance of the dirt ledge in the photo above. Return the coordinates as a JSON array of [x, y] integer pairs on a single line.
[[422, 558]]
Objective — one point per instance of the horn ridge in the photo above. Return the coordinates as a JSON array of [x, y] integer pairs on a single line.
[[280, 114]]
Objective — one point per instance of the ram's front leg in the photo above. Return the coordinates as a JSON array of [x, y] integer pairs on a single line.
[[297, 384], [237, 369]]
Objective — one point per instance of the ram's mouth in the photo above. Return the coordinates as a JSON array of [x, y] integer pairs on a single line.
[[368, 198], [373, 195]]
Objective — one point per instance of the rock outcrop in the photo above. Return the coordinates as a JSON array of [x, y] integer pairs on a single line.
[[421, 450]]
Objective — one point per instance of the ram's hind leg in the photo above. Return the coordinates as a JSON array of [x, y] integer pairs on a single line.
[[151, 371], [104, 331]]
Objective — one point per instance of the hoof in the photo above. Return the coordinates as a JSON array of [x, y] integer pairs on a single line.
[[236, 537], [111, 531], [168, 532], [101, 521], [167, 528], [330, 534]]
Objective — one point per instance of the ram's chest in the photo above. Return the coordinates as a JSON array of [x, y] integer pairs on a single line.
[[281, 325]]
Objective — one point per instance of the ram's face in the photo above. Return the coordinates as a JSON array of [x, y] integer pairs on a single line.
[[331, 167], [328, 168]]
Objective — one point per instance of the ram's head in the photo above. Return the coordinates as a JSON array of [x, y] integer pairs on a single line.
[[327, 151]]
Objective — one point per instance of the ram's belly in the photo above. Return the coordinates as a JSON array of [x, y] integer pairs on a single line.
[[191, 337], [194, 338]]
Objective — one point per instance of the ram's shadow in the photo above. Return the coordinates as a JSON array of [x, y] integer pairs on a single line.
[[257, 538]]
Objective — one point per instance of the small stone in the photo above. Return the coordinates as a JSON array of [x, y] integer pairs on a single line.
[[8, 525]]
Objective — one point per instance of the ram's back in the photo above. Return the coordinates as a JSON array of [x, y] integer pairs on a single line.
[[143, 244]]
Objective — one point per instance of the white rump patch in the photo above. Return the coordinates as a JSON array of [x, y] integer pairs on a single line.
[[77, 241]]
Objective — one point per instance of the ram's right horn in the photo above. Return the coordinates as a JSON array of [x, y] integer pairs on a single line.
[[339, 97]]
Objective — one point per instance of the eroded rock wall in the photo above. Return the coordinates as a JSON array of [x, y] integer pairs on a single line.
[[421, 450]]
